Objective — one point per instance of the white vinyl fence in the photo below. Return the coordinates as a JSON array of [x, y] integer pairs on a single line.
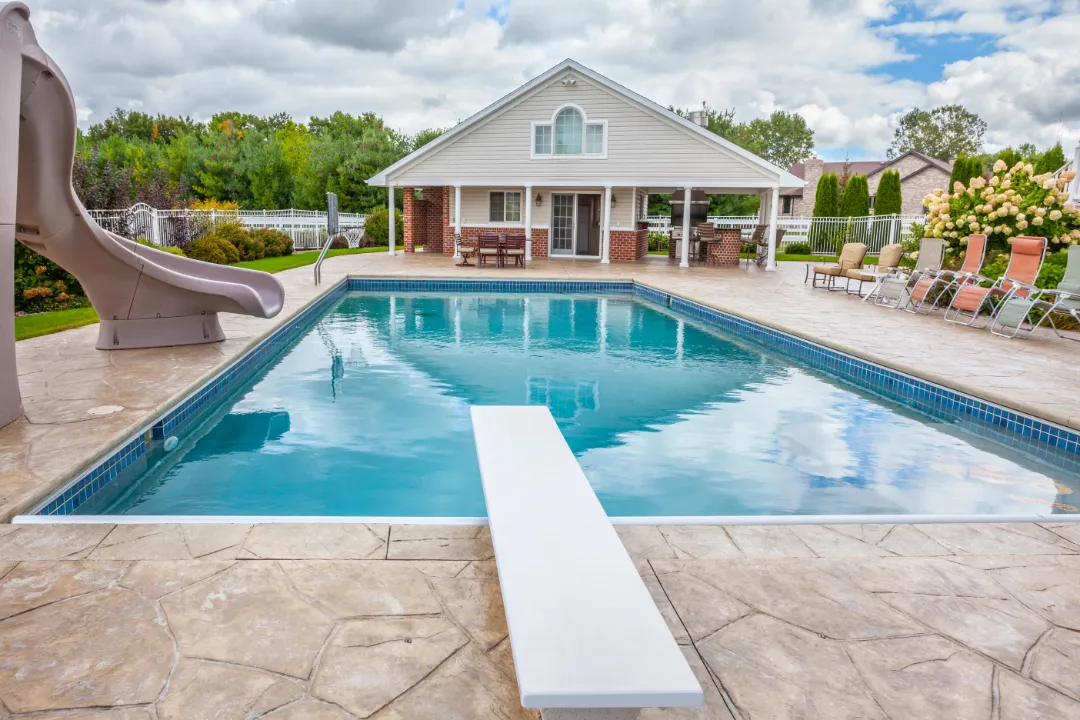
[[307, 228], [823, 235]]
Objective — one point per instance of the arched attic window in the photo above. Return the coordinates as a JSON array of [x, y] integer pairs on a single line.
[[569, 133], [569, 129]]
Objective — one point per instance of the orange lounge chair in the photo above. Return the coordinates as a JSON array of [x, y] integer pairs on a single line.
[[1025, 261], [923, 299]]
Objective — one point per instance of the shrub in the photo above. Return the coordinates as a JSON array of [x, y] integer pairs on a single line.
[[250, 247], [658, 241], [377, 227], [827, 200], [340, 242], [889, 200], [797, 248], [856, 202], [42, 285], [276, 242], [214, 249], [163, 248], [1013, 201]]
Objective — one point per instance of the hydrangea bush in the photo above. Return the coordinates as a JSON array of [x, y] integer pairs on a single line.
[[1013, 202]]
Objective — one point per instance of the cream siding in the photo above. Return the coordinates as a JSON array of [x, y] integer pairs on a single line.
[[475, 206], [641, 146]]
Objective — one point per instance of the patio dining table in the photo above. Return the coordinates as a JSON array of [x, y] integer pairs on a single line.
[[503, 243]]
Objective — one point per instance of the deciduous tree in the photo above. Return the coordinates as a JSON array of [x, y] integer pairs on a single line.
[[943, 133]]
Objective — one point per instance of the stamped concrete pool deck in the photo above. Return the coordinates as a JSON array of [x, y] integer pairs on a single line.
[[336, 621], [313, 621]]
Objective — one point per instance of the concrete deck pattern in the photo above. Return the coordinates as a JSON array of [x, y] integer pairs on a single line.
[[336, 621]]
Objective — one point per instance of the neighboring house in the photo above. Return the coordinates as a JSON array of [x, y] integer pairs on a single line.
[[547, 159], [919, 176]]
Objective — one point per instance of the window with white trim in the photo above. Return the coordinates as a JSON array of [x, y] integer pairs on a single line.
[[568, 134], [505, 207]]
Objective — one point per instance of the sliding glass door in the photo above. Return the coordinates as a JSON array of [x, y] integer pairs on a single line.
[[562, 224]]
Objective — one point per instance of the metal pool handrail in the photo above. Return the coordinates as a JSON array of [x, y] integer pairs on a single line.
[[322, 256]]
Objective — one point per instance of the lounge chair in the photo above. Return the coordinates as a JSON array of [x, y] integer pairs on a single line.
[[932, 288], [971, 299], [1026, 302], [515, 248], [892, 290], [488, 247], [888, 262], [851, 258]]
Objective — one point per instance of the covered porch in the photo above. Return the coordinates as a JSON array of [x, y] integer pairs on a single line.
[[564, 220]]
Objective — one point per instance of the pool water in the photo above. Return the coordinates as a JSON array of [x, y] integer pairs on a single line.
[[367, 414]]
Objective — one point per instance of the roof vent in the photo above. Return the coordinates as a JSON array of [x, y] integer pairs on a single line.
[[698, 117], [569, 81]]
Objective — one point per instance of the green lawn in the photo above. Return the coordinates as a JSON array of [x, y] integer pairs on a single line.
[[287, 262], [28, 326]]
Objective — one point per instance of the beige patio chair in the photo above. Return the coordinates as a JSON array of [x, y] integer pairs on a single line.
[[706, 233], [851, 258], [888, 263]]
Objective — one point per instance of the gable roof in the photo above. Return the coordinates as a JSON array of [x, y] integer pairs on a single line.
[[940, 164], [785, 178]]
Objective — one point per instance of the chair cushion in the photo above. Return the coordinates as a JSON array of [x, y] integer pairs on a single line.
[[515, 252], [859, 275], [970, 298], [489, 251], [828, 270]]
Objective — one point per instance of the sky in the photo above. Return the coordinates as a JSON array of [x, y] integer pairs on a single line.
[[850, 67]]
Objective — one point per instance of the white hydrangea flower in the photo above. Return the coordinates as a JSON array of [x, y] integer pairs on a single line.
[[1041, 212], [1020, 216], [1021, 224], [999, 166], [1055, 214], [963, 241], [1037, 220], [995, 180], [974, 227]]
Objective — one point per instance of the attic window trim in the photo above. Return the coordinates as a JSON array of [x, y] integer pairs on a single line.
[[550, 142]]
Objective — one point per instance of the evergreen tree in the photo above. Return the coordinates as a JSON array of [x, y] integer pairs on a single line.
[[1050, 160], [856, 202], [827, 200], [961, 170], [889, 200]]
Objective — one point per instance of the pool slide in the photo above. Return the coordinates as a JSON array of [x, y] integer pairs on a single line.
[[144, 297]]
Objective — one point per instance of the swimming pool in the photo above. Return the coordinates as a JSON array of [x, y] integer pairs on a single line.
[[366, 414]]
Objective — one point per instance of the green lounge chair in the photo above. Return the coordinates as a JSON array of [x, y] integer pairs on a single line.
[[1027, 307]]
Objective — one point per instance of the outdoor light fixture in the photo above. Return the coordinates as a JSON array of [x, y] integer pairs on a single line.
[[539, 200], [612, 201]]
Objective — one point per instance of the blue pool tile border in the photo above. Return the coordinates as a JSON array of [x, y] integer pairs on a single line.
[[1050, 442], [70, 498]]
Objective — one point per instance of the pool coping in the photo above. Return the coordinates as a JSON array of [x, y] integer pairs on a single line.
[[70, 490], [658, 520]]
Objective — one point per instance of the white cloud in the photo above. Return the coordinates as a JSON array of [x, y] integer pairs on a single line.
[[426, 63]]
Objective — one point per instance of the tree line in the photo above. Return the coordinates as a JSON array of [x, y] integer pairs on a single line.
[[255, 162]]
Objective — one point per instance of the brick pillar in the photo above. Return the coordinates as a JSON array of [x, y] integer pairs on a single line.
[[412, 217], [812, 172]]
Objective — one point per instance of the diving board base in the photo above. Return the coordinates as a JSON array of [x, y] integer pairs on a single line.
[[589, 714]]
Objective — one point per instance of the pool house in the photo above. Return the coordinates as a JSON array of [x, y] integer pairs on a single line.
[[569, 159]]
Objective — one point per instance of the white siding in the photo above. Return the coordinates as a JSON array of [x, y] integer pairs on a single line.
[[475, 206], [642, 146]]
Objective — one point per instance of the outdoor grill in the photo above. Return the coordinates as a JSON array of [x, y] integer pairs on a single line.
[[699, 211]]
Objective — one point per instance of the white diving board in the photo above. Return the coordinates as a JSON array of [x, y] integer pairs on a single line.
[[584, 631]]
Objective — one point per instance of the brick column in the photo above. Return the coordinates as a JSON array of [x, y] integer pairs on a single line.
[[412, 217]]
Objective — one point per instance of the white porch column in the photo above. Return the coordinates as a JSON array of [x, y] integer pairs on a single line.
[[605, 242], [684, 249], [457, 221], [393, 237], [774, 202], [528, 223]]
